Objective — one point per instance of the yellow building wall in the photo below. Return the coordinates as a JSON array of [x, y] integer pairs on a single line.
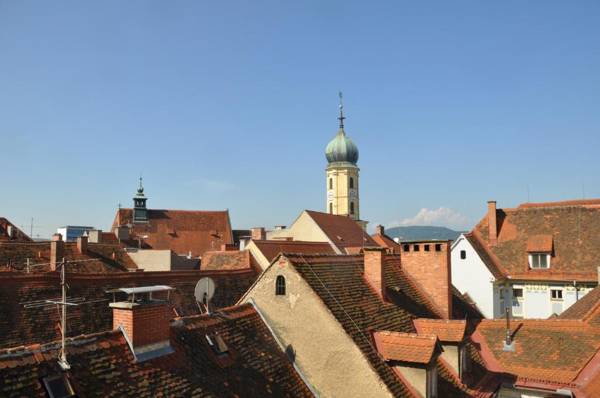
[[339, 196], [324, 353]]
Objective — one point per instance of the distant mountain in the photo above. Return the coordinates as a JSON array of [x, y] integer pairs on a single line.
[[422, 233]]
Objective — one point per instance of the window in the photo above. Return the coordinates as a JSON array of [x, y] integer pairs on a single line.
[[280, 286], [351, 207], [556, 294], [517, 293], [463, 254], [539, 260], [465, 363], [58, 386], [331, 208], [426, 247], [438, 247], [331, 183], [501, 292], [406, 248], [351, 182], [416, 248], [432, 382]]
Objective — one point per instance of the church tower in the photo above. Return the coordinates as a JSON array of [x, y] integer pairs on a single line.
[[342, 174], [140, 212]]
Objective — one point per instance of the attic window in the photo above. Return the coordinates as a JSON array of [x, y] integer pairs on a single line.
[[463, 254], [539, 260], [426, 247], [58, 386], [280, 286], [217, 344], [438, 247], [416, 248]]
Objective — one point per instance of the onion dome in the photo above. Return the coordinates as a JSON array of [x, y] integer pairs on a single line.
[[341, 148]]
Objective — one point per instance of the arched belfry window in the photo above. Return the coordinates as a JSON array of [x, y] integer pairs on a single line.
[[351, 207], [331, 183], [351, 182], [280, 285], [331, 208]]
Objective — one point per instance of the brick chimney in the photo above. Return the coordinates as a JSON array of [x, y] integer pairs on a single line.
[[57, 251], [258, 233], [428, 263], [492, 223], [146, 324], [82, 244], [380, 230], [374, 258]]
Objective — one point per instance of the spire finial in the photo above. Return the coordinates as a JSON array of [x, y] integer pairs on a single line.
[[141, 187], [341, 117]]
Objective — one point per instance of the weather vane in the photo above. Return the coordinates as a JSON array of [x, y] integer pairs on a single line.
[[341, 118]]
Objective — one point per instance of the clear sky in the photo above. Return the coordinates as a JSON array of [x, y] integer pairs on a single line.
[[226, 104]]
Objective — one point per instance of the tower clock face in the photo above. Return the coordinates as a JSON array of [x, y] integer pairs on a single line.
[[353, 194]]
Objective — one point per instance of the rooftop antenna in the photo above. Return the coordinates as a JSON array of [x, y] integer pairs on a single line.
[[204, 291], [62, 359], [341, 117], [508, 341]]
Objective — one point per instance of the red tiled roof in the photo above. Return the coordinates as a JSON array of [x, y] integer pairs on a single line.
[[539, 244], [551, 351], [405, 347], [584, 307], [102, 363], [19, 236], [571, 229], [271, 248], [387, 242], [26, 318], [339, 283], [446, 330], [227, 260], [341, 230], [181, 231], [97, 259]]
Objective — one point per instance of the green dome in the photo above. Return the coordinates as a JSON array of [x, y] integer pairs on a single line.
[[341, 149]]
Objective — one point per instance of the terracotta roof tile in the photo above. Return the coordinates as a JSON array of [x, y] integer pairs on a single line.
[[28, 319], [584, 307], [102, 363], [446, 330], [387, 242], [227, 260], [405, 347], [539, 244], [18, 235], [341, 230], [181, 231], [571, 229]]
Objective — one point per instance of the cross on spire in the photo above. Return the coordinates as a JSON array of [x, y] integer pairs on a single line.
[[341, 117]]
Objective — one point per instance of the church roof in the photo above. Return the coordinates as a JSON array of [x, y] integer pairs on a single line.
[[341, 149]]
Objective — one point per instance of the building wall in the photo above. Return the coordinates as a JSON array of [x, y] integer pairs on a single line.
[[151, 260], [325, 354], [451, 355], [305, 228], [259, 257], [417, 377], [341, 195], [472, 276]]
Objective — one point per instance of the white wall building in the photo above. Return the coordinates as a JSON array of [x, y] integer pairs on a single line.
[[536, 259]]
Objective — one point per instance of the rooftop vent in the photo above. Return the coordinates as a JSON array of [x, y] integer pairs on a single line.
[[217, 343]]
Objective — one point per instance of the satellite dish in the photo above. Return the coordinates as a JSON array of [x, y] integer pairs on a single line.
[[204, 291]]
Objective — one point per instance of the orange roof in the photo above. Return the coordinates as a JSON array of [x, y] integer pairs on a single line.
[[546, 351], [271, 248], [386, 241], [406, 347], [182, 231], [341, 230], [570, 230], [446, 330], [226, 260], [18, 235]]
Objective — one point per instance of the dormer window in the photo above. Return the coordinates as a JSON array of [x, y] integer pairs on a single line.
[[539, 260], [58, 386]]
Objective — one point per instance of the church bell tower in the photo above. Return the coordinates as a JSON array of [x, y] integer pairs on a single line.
[[342, 174], [140, 212]]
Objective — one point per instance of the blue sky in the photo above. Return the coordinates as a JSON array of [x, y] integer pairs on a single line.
[[231, 104]]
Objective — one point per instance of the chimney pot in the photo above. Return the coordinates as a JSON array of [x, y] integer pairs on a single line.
[[82, 244], [380, 230], [374, 258], [57, 251], [492, 223]]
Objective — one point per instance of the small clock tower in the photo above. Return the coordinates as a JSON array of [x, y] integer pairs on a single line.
[[342, 174]]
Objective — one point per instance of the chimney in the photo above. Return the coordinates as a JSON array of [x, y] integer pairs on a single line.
[[428, 263], [374, 274], [258, 233], [380, 230], [10, 231], [145, 322], [82, 244], [492, 223], [95, 236], [57, 251]]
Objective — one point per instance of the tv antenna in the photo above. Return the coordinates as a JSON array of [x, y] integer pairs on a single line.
[[62, 360], [204, 291]]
